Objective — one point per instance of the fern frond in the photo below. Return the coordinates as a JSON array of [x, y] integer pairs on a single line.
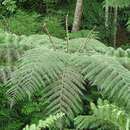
[[5, 72], [91, 45], [38, 67], [108, 74], [12, 46], [123, 56], [65, 95], [105, 115], [52, 72], [46, 123]]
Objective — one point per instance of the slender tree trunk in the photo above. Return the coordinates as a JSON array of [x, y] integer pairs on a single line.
[[107, 19], [106, 15], [115, 25], [77, 15]]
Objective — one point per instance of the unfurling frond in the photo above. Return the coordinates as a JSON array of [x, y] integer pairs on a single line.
[[105, 116]]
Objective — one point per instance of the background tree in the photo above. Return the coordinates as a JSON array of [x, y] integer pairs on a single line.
[[77, 15], [116, 4]]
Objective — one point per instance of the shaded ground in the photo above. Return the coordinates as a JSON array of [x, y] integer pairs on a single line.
[[123, 37]]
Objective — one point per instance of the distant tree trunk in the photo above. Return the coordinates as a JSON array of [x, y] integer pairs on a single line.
[[115, 25], [106, 15], [107, 19], [77, 15]]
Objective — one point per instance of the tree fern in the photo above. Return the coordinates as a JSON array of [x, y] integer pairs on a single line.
[[52, 72], [12, 47], [105, 116], [61, 76]]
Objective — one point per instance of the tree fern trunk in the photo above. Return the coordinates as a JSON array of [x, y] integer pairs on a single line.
[[77, 16], [115, 25]]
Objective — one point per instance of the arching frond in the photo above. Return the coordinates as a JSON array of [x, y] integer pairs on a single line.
[[52, 72], [108, 74], [105, 116], [123, 56], [90, 45], [119, 52], [13, 46], [37, 64]]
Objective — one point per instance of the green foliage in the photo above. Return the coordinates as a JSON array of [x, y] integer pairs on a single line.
[[32, 106], [61, 76], [105, 116], [10, 5], [93, 14], [22, 23], [7, 121], [64, 10], [59, 88], [84, 34], [48, 123], [128, 23], [29, 111], [54, 27], [113, 81], [118, 3], [126, 46]]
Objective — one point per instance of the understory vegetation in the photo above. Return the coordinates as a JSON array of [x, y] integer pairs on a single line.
[[55, 78]]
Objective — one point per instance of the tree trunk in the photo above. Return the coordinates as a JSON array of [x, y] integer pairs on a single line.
[[106, 19], [106, 15], [77, 15], [115, 25]]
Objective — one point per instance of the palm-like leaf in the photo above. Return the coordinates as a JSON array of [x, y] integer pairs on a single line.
[[52, 72], [108, 74]]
